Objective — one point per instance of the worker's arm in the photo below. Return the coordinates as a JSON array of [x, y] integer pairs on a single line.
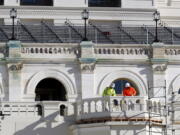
[[105, 92], [134, 92], [114, 92]]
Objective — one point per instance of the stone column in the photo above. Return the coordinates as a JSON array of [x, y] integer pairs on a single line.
[[159, 65], [87, 64], [14, 65]]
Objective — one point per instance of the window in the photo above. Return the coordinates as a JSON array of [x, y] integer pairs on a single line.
[[1, 2], [37, 2], [120, 84], [104, 3]]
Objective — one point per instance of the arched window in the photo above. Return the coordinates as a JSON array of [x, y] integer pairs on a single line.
[[1, 2], [37, 2], [50, 89], [120, 84]]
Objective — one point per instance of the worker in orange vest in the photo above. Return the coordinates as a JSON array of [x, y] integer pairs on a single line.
[[128, 90]]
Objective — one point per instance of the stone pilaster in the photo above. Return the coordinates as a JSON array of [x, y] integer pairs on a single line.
[[159, 66], [14, 65], [87, 64]]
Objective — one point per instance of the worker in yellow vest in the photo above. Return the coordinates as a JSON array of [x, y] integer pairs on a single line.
[[110, 91]]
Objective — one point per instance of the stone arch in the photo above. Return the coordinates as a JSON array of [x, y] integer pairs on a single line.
[[29, 91], [174, 85], [110, 77]]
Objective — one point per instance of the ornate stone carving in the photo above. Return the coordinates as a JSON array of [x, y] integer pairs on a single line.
[[88, 68], [160, 68], [16, 67]]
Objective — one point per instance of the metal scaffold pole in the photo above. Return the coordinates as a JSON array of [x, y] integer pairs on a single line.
[[149, 108], [163, 109], [172, 112]]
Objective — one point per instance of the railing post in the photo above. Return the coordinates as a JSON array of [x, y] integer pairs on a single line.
[[147, 40], [96, 36], [70, 34], [109, 104], [172, 35]]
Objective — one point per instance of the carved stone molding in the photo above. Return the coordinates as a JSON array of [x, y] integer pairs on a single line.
[[159, 67], [87, 65], [87, 68], [15, 67]]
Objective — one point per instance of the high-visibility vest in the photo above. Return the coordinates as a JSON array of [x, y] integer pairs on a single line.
[[129, 91], [109, 92]]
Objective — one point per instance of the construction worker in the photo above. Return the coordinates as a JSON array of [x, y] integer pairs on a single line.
[[128, 90], [110, 91]]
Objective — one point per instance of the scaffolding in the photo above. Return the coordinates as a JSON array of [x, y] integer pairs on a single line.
[[163, 109], [172, 110]]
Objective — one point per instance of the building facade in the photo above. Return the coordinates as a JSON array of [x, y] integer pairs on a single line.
[[55, 87]]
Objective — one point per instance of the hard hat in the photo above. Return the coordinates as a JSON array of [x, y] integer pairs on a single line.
[[127, 85], [112, 85]]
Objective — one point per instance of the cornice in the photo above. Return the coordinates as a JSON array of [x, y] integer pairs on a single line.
[[80, 8]]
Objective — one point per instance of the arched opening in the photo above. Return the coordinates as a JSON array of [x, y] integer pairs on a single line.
[[120, 84], [50, 89]]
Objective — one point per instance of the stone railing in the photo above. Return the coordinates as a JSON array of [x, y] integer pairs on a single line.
[[120, 51], [49, 51], [172, 52], [44, 108], [124, 107]]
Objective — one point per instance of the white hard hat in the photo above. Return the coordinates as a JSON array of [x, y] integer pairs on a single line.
[[112, 85], [127, 85]]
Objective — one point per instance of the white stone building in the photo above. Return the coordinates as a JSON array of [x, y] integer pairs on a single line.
[[56, 88], [125, 12]]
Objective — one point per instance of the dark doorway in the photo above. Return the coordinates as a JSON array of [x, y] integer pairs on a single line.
[[37, 2], [1, 2], [50, 89]]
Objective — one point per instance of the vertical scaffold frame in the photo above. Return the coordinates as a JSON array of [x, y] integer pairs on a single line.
[[163, 108]]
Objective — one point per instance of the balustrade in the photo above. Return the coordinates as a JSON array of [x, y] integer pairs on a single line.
[[172, 51], [121, 50], [36, 108], [117, 107], [48, 50]]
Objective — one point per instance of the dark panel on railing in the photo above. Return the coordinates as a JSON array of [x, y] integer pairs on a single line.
[[36, 2]]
